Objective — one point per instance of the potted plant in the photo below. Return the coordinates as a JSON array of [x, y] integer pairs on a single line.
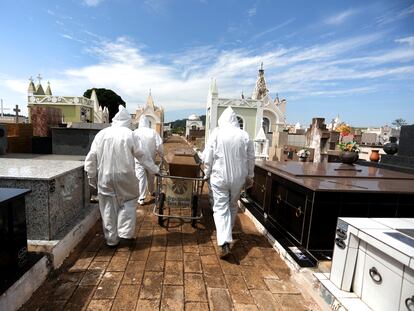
[[349, 152], [303, 154]]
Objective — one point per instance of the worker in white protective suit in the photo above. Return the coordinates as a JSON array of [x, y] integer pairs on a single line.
[[152, 142], [229, 162], [110, 168]]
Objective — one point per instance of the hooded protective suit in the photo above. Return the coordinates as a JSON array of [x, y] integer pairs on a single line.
[[110, 161], [228, 161], [152, 142]]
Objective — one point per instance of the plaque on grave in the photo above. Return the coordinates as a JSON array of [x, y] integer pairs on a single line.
[[13, 235]]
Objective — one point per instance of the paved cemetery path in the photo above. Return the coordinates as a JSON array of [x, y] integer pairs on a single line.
[[172, 268]]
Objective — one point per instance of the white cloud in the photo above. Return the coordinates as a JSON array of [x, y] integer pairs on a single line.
[[394, 15], [18, 86], [265, 32], [180, 80], [252, 12], [340, 18], [156, 6], [407, 11], [92, 2], [408, 40], [69, 37]]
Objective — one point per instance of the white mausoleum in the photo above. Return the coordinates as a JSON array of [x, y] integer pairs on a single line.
[[258, 111], [193, 123]]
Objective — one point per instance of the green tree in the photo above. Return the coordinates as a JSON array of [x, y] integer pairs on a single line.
[[399, 122], [107, 98]]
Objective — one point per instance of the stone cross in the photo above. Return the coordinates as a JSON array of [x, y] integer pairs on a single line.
[[39, 77], [17, 110]]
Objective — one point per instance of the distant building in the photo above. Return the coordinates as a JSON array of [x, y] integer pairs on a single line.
[[193, 123], [381, 135], [8, 118], [154, 114], [259, 111], [334, 124], [74, 108]]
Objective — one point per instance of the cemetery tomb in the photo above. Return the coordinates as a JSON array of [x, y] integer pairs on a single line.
[[59, 196], [299, 203], [75, 140], [14, 258]]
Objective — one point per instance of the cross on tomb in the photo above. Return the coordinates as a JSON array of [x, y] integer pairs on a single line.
[[17, 110]]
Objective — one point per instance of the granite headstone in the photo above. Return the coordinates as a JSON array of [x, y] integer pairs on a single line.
[[369, 138], [406, 146], [76, 138], [43, 118]]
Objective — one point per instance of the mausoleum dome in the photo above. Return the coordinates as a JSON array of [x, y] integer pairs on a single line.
[[193, 117]]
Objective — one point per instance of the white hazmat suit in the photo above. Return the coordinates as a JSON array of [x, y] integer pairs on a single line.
[[228, 161], [110, 167], [152, 142]]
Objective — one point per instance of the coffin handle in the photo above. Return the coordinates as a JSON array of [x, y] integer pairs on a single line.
[[409, 303], [375, 276], [298, 212], [278, 199]]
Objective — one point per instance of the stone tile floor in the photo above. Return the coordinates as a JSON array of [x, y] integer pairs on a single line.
[[175, 267]]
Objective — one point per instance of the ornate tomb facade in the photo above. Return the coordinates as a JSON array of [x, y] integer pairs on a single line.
[[258, 111]]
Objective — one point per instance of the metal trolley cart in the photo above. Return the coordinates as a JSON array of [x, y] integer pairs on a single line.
[[178, 192]]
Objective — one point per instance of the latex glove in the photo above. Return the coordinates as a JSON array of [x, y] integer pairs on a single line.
[[249, 182], [93, 182], [158, 173]]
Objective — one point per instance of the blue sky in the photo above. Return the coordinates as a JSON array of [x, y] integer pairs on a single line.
[[349, 58]]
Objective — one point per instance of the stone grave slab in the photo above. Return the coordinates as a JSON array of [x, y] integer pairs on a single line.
[[59, 197]]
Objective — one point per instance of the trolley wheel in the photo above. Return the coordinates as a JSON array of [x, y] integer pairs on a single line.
[[194, 211], [161, 200]]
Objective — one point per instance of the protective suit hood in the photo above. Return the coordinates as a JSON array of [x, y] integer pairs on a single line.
[[122, 118], [143, 122], [228, 118]]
